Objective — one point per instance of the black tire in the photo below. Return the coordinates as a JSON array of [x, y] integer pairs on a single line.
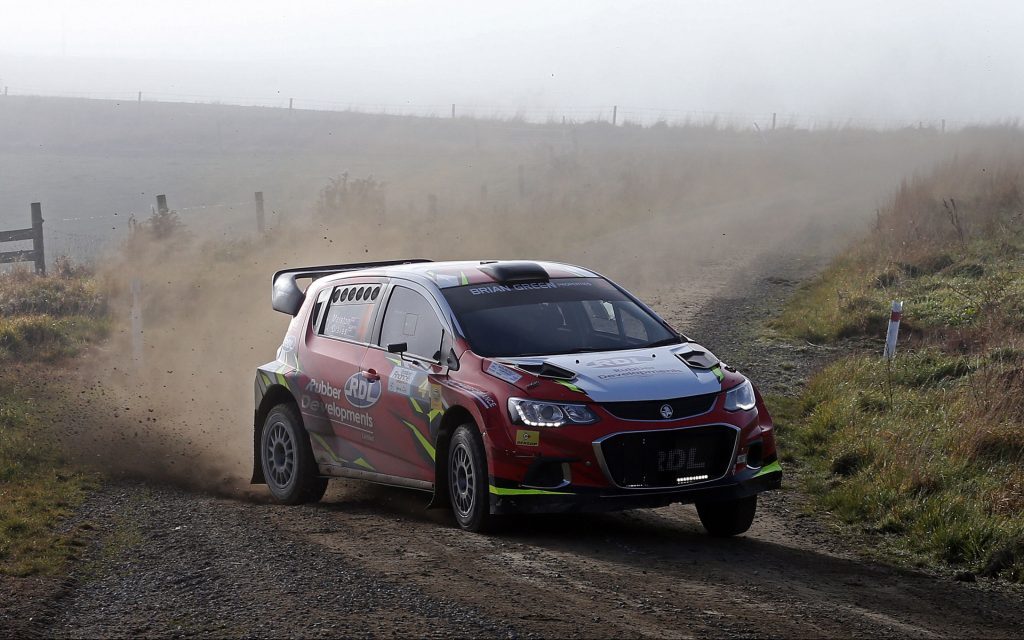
[[728, 518], [287, 458], [467, 479]]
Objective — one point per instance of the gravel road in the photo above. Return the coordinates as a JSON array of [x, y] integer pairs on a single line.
[[370, 561]]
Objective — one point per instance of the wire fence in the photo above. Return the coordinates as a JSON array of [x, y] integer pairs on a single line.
[[225, 220], [615, 114]]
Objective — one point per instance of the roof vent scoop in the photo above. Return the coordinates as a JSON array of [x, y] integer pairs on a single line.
[[516, 272]]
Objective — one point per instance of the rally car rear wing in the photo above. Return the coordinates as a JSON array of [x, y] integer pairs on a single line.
[[286, 295]]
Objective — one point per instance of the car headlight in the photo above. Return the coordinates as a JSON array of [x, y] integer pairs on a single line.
[[534, 413], [740, 397]]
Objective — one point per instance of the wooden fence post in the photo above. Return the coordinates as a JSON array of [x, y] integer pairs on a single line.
[[453, 110], [140, 97], [259, 212], [291, 101], [615, 114], [161, 204], [773, 121], [37, 238]]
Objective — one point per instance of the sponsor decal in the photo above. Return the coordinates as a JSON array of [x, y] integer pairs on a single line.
[[483, 397], [337, 413], [525, 438], [503, 288], [400, 381], [618, 361], [502, 372], [638, 372], [679, 460], [324, 388], [629, 367], [435, 399], [360, 392], [523, 286]]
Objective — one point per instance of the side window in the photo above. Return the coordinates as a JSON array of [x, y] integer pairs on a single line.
[[614, 319], [632, 326], [317, 317], [409, 318], [350, 312], [601, 315]]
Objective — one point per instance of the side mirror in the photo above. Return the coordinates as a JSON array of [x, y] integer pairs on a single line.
[[452, 360], [447, 353], [398, 347]]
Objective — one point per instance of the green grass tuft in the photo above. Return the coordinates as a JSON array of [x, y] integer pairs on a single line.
[[44, 319]]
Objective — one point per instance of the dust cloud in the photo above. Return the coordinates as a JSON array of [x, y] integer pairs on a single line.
[[671, 213]]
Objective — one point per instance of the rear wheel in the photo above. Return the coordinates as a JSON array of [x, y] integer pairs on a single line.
[[727, 518], [467, 479], [287, 458]]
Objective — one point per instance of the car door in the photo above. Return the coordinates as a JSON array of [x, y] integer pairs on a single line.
[[409, 414], [336, 397]]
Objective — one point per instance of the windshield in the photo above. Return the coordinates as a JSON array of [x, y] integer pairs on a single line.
[[565, 315]]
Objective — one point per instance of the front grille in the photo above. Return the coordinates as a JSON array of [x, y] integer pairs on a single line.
[[668, 458], [652, 409]]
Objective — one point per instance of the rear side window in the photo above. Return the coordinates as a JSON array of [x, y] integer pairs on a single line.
[[349, 312], [409, 318]]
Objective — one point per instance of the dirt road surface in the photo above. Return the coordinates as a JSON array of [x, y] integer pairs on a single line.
[[372, 562]]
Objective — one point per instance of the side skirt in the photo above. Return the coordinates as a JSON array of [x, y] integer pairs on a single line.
[[335, 471]]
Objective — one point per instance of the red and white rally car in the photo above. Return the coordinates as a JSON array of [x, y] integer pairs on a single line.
[[504, 387]]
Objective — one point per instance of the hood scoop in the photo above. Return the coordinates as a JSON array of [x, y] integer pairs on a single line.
[[698, 359], [547, 370]]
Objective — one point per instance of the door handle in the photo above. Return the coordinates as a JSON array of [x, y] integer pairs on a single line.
[[371, 375]]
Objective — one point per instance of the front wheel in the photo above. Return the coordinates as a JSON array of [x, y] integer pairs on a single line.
[[467, 479], [729, 517], [287, 458]]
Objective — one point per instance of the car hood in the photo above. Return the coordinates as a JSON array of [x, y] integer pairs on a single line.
[[658, 373]]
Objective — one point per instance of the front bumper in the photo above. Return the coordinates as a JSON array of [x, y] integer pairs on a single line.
[[509, 499]]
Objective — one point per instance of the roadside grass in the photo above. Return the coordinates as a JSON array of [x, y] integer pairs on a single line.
[[924, 452], [949, 294], [42, 320]]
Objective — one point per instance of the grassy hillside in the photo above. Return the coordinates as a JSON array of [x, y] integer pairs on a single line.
[[926, 451], [87, 160], [42, 321]]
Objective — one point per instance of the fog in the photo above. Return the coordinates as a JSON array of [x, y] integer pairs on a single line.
[[679, 214], [878, 63]]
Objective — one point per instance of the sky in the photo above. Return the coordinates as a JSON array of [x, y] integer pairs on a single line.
[[885, 61]]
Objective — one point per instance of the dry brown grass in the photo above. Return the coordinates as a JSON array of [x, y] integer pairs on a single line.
[[961, 200], [947, 468]]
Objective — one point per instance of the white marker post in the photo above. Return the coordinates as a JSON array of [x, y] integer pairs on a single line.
[[894, 329]]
